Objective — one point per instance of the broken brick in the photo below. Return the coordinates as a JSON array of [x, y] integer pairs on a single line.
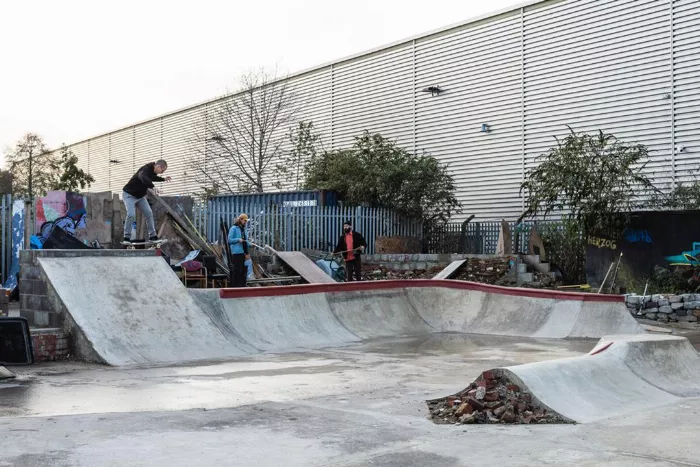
[[464, 409], [476, 404], [491, 396], [513, 387], [487, 375]]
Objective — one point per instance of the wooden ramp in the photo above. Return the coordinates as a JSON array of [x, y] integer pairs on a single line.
[[451, 270], [306, 268]]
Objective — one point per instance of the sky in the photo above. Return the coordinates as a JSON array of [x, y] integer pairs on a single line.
[[73, 69]]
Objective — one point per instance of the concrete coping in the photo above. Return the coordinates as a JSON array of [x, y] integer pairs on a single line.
[[415, 283]]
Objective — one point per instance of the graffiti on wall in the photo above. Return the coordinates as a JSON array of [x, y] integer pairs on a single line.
[[638, 236], [17, 243], [689, 257], [61, 209]]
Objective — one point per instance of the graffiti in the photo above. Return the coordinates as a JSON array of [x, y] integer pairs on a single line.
[[65, 209], [602, 242], [17, 243], [686, 257], [638, 236]]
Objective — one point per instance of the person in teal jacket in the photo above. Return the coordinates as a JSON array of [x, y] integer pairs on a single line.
[[238, 241]]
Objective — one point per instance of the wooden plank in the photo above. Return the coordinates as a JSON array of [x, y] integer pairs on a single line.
[[451, 270], [304, 267]]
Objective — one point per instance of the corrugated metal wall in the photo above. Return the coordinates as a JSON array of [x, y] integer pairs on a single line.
[[686, 87], [629, 67]]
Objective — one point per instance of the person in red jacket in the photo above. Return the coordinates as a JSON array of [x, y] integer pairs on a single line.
[[351, 244]]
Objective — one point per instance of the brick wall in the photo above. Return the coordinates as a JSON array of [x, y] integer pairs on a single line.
[[50, 345]]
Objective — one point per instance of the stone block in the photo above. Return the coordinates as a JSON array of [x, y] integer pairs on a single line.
[[665, 309], [688, 319], [656, 297], [675, 298], [650, 304], [650, 316], [673, 317], [651, 310], [696, 313], [696, 297], [690, 305], [682, 312], [686, 297], [677, 306], [633, 300], [662, 317], [664, 302]]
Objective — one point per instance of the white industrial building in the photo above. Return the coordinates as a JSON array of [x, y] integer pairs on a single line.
[[629, 67]]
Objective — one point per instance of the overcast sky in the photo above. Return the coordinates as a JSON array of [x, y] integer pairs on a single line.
[[71, 69]]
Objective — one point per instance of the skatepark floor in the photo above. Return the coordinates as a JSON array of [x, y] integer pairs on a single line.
[[357, 405]]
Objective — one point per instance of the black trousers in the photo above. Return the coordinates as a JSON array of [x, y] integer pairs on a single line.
[[238, 272], [353, 268]]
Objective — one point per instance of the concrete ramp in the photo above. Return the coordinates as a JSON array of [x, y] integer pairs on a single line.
[[126, 311], [451, 270], [621, 374], [306, 268], [5, 373]]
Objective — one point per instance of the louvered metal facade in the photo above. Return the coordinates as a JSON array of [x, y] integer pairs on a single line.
[[629, 67]]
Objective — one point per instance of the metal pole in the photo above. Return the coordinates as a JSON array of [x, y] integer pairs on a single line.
[[606, 277]]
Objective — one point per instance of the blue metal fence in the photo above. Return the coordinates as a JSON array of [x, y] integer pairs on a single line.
[[295, 226]]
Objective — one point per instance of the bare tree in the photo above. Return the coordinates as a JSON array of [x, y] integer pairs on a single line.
[[242, 134], [33, 167]]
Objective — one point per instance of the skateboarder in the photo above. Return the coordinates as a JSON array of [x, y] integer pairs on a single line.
[[134, 196], [351, 244], [238, 240]]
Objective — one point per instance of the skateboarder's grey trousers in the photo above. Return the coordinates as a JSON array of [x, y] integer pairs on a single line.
[[131, 203]]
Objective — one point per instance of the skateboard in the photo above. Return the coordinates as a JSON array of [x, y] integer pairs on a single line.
[[150, 245]]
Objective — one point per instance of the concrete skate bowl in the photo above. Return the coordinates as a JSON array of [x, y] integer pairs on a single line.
[[622, 374], [135, 311]]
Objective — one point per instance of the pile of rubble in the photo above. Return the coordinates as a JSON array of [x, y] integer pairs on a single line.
[[486, 271], [373, 272], [490, 399], [665, 308]]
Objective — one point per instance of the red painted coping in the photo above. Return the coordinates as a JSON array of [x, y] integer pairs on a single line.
[[605, 347], [278, 291]]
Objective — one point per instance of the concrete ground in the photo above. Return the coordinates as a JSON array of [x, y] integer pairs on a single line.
[[361, 405]]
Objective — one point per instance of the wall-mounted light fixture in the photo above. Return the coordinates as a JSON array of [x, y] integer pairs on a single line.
[[485, 128], [434, 90]]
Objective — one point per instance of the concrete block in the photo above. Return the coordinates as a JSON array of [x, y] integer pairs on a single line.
[[677, 306], [41, 318], [26, 286], [665, 309], [675, 299], [664, 302], [39, 287]]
